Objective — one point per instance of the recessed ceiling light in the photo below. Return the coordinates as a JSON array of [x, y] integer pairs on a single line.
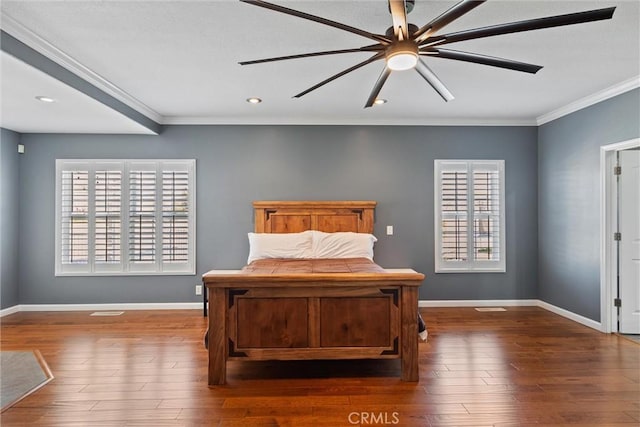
[[254, 100], [380, 101], [45, 99]]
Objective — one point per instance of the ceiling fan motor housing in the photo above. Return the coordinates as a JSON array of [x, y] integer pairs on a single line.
[[402, 55]]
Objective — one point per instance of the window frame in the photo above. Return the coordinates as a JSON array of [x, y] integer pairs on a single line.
[[470, 265], [124, 267]]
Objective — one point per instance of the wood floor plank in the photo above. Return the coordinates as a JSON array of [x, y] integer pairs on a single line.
[[111, 405], [522, 367], [197, 402], [289, 401], [402, 410], [62, 417], [634, 413], [198, 415], [603, 418]]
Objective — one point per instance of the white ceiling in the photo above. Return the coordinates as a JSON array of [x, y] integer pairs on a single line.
[[176, 61], [22, 112]]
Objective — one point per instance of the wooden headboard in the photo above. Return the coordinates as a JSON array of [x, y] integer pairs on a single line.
[[328, 216]]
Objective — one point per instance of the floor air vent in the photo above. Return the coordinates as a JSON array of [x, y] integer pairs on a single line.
[[107, 313], [490, 309]]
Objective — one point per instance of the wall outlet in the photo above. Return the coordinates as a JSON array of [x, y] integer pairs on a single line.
[[198, 289], [389, 230]]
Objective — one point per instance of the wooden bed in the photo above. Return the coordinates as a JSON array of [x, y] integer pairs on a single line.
[[343, 310]]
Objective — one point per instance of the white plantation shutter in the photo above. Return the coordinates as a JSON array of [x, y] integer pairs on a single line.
[[486, 215], [125, 217], [142, 218], [175, 216], [108, 221], [454, 215], [469, 215], [72, 221]]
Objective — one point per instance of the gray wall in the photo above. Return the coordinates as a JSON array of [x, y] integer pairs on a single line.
[[569, 200], [9, 201], [239, 164]]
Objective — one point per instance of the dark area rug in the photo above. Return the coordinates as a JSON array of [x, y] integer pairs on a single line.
[[21, 373]]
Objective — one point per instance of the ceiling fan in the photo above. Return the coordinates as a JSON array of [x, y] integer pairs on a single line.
[[403, 43]]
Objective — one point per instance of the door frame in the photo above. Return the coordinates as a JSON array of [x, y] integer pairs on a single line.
[[608, 225]]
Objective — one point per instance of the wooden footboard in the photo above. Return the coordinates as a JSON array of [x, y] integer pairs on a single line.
[[328, 317]]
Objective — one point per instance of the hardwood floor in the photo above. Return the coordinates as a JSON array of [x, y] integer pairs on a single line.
[[523, 366]]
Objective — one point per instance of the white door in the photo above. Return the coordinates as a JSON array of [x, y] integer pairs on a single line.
[[629, 249]]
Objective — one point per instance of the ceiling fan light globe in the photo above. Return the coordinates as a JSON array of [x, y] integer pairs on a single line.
[[402, 61]]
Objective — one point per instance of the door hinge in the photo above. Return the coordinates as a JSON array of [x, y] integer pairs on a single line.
[[617, 236], [617, 302], [617, 170]]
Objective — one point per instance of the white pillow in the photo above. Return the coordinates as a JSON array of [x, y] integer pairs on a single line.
[[279, 245], [343, 245]]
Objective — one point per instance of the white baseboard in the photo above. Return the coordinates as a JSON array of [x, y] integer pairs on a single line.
[[514, 303], [571, 315], [9, 310], [479, 303], [198, 306], [100, 307]]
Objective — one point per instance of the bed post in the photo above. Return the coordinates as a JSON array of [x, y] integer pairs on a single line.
[[217, 332]]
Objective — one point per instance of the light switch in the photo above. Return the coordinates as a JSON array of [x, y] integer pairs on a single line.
[[389, 230]]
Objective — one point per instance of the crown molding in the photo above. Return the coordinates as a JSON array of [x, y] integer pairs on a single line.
[[42, 46], [592, 99]]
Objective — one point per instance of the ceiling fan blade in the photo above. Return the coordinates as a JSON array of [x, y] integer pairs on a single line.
[[341, 73], [371, 48], [528, 25], [398, 10], [483, 59], [318, 19], [378, 86], [447, 17], [433, 80]]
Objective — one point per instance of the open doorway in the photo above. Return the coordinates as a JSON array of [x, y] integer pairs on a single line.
[[620, 237]]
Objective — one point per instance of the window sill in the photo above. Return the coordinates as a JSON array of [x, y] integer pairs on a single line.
[[470, 270], [120, 274]]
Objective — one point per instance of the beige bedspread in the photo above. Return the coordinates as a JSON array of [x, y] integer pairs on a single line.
[[305, 266]]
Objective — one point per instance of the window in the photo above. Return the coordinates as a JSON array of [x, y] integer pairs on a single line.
[[469, 216], [125, 217]]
